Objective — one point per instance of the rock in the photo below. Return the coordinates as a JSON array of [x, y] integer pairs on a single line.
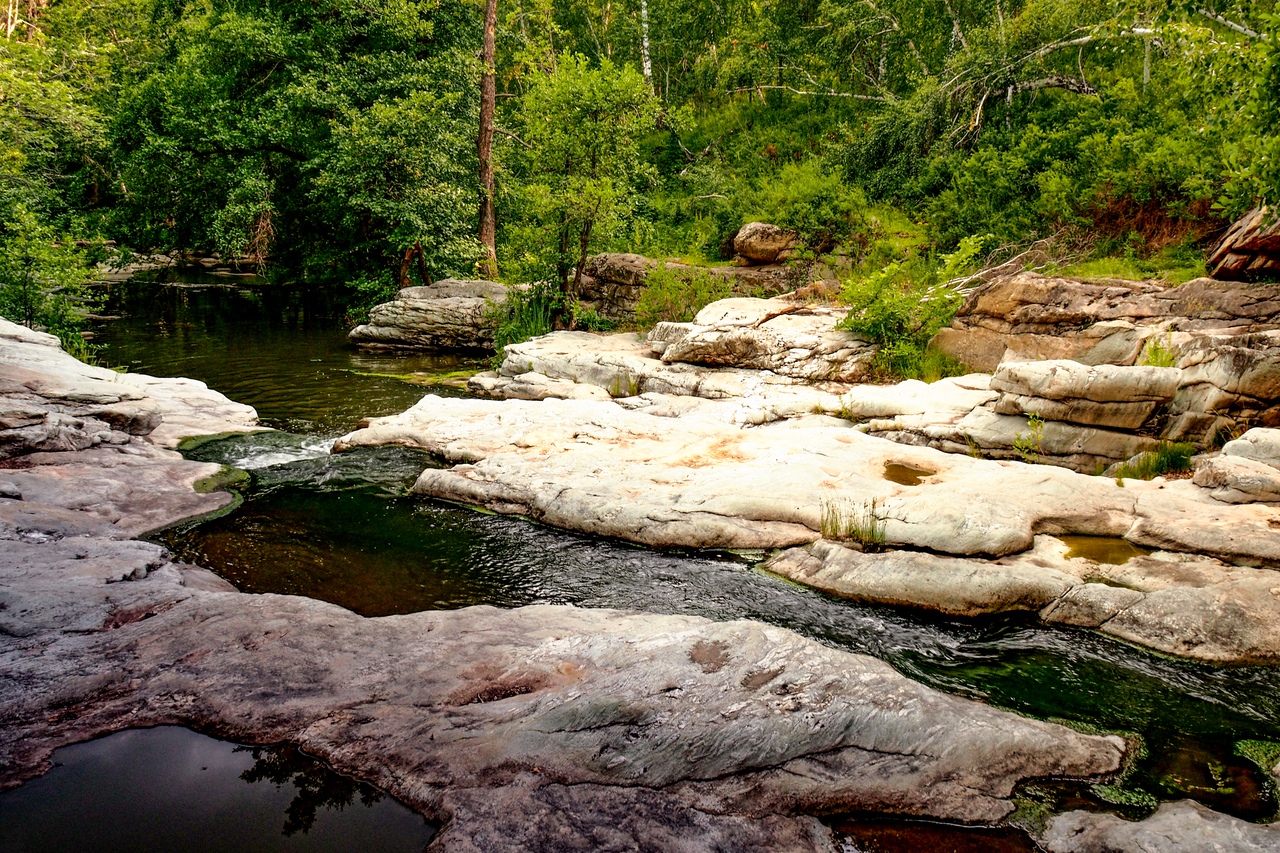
[[49, 401], [919, 579], [697, 482], [1238, 479], [665, 334], [1228, 381], [448, 315], [1098, 395], [542, 728], [1181, 827], [762, 243], [1029, 317], [1181, 604], [1250, 249], [788, 338], [1260, 445]]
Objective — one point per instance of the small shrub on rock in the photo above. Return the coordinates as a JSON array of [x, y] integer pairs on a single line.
[[677, 297]]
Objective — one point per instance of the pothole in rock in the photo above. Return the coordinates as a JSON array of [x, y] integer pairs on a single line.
[[1108, 550], [905, 475]]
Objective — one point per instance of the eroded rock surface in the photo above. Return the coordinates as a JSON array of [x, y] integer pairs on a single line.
[[1250, 249], [729, 731], [1181, 827], [764, 243], [1095, 395], [447, 315]]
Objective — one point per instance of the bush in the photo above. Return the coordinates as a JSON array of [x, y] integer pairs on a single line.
[[902, 305], [368, 291], [42, 282], [677, 295]]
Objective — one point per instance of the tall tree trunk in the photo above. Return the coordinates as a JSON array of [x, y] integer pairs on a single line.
[[488, 98], [644, 43]]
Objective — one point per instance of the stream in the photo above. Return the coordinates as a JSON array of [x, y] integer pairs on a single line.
[[342, 528]]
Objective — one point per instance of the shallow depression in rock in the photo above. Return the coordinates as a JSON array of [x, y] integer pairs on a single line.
[[171, 789]]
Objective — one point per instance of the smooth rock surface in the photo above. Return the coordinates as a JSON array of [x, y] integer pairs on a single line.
[[1258, 444], [447, 315], [1181, 827], [1238, 479]]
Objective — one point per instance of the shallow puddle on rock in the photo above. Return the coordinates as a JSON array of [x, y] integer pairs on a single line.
[[905, 475], [169, 789], [1111, 550], [871, 835]]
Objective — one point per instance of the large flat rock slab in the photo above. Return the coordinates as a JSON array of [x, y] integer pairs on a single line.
[[590, 729]]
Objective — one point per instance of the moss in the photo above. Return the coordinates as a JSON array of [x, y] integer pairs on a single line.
[[195, 442], [1121, 796], [228, 479], [1264, 753]]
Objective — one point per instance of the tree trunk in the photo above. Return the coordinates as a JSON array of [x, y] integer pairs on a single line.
[[488, 98], [644, 43]]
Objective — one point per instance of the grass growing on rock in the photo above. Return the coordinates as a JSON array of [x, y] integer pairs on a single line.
[[677, 297], [860, 523], [1169, 456], [1264, 753]]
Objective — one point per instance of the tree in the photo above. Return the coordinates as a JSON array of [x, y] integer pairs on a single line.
[[582, 125], [488, 102]]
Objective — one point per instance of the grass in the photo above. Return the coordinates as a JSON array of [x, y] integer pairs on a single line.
[[677, 296], [861, 523], [1169, 266], [1264, 753], [1168, 456], [1160, 353], [524, 315]]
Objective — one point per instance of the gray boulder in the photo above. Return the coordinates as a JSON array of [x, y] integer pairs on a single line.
[[448, 315], [1181, 827]]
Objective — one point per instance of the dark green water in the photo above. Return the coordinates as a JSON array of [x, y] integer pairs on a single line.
[[342, 529], [170, 790]]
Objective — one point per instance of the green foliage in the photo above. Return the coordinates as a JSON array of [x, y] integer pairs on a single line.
[[525, 314], [678, 295], [1264, 753], [902, 305], [41, 279], [582, 125], [368, 290], [1029, 445], [1122, 796], [861, 523], [1168, 456], [807, 197]]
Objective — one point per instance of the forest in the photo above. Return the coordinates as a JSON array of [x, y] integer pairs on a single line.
[[371, 144]]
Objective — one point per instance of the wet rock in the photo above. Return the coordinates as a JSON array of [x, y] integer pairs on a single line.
[[763, 243], [1181, 827], [541, 728], [447, 315], [785, 337]]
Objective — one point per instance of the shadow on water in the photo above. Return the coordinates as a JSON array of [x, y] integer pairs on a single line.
[[170, 789], [341, 528]]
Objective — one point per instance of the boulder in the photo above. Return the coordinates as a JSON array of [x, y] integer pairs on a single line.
[[1181, 827], [1250, 249], [1258, 444], [1238, 479], [786, 337], [447, 315], [762, 243], [1228, 382], [1113, 396]]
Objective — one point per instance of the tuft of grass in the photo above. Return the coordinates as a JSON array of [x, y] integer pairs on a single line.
[[1160, 353], [1168, 456], [524, 315], [845, 521]]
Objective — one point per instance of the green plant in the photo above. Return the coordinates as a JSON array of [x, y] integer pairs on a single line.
[[678, 295], [862, 523], [1264, 753], [903, 304], [524, 315], [1166, 457], [369, 290], [1160, 353], [1030, 445]]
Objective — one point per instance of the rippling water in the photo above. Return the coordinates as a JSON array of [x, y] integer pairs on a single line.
[[342, 528]]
